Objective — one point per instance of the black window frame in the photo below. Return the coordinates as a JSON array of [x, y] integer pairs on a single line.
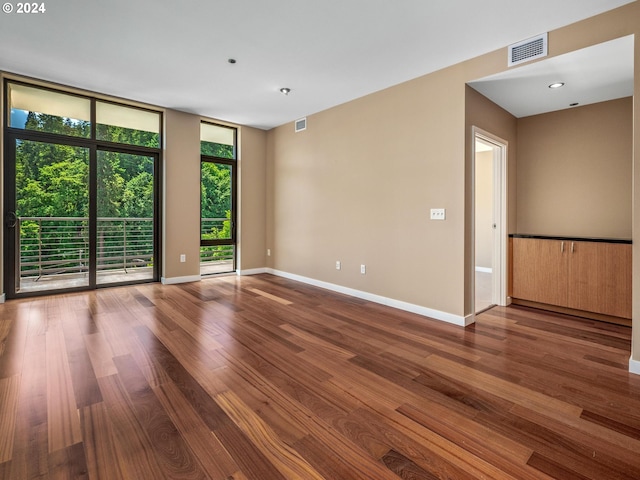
[[13, 134], [233, 163]]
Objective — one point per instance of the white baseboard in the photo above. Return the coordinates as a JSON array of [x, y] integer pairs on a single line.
[[409, 307], [469, 319], [175, 280], [484, 269], [253, 271], [634, 366]]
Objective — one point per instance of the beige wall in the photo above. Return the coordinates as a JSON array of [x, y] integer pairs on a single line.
[[635, 341], [484, 210], [252, 199], [482, 113], [574, 171], [357, 185], [2, 107], [181, 222]]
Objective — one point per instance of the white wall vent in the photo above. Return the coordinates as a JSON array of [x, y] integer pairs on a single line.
[[301, 124], [528, 50]]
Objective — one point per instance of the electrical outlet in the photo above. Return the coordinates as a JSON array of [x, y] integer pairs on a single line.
[[183, 258], [363, 269], [437, 214], [268, 252], [338, 265]]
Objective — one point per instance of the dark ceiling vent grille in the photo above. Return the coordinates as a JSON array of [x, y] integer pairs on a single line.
[[528, 50], [301, 124]]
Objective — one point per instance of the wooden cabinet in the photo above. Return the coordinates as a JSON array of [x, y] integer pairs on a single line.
[[600, 278], [539, 271], [580, 275]]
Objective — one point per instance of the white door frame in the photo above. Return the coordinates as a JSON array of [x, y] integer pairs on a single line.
[[500, 242]]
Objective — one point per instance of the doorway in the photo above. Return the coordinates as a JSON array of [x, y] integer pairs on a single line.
[[490, 242]]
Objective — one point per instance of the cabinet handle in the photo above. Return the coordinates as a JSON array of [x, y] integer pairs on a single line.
[[572, 245], [562, 247]]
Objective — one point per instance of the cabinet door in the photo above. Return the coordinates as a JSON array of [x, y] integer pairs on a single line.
[[600, 278], [540, 270], [584, 276]]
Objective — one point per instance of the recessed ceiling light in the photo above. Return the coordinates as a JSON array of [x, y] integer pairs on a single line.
[[232, 60], [556, 85], [285, 90]]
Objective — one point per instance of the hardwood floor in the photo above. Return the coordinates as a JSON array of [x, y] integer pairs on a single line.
[[265, 378]]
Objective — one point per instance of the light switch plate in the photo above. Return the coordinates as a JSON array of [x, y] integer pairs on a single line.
[[437, 214]]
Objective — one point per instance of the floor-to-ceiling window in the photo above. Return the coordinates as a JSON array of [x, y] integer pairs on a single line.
[[81, 191], [217, 198]]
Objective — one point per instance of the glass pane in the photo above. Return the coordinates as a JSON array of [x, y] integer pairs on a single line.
[[217, 141], [52, 205], [216, 259], [215, 201], [125, 197], [131, 126], [46, 111]]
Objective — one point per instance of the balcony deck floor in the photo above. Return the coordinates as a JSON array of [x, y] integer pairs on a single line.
[[137, 274]]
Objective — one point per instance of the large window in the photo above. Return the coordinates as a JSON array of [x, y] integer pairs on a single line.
[[120, 124], [81, 191], [48, 111], [217, 199]]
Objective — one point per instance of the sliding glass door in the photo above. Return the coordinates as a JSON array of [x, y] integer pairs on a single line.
[[81, 192], [48, 215], [125, 217]]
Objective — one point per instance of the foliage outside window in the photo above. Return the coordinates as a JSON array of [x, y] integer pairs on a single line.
[[217, 141], [131, 126], [47, 111], [52, 194], [218, 150]]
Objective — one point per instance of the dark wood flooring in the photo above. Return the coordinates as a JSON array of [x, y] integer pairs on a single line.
[[264, 378]]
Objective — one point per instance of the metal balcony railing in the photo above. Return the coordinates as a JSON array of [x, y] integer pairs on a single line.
[[60, 245], [216, 253], [51, 246], [125, 243], [216, 258], [214, 227]]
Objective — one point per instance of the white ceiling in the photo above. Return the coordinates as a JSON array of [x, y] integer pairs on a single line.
[[590, 75], [174, 53]]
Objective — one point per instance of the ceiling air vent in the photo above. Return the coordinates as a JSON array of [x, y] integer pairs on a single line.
[[528, 50], [301, 124]]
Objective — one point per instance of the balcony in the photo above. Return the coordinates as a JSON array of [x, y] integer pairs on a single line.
[[54, 252], [216, 258]]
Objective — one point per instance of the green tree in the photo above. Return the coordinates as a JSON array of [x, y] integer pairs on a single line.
[[215, 190], [127, 136], [54, 124], [110, 184], [51, 180], [219, 150], [137, 200]]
